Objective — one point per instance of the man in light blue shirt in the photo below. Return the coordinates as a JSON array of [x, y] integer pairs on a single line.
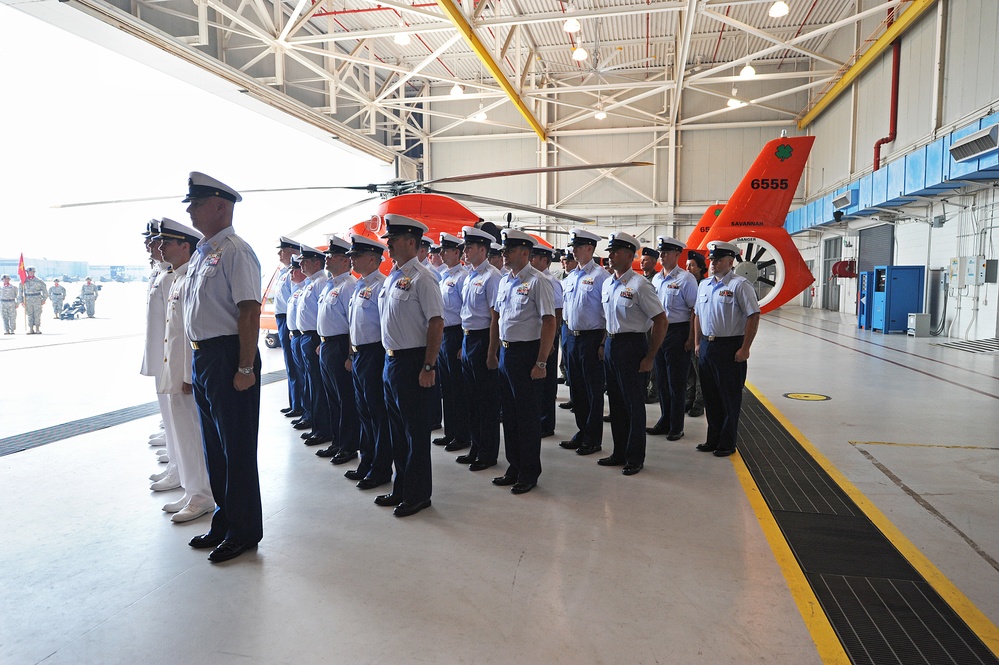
[[452, 276]]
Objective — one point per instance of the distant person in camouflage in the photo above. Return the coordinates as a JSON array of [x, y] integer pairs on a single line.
[[9, 299], [34, 293], [88, 293], [57, 294]]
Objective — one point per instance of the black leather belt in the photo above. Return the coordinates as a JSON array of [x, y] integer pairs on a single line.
[[294, 333], [514, 345], [580, 333], [333, 338], [453, 328], [480, 331], [402, 353], [625, 335], [715, 338], [366, 347], [213, 341]]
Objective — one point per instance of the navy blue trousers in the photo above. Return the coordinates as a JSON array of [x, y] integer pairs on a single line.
[[230, 421], [550, 390], [521, 397], [453, 389], [409, 424], [339, 386], [484, 426], [375, 445], [291, 369], [722, 380], [586, 377], [319, 405], [297, 342], [626, 394], [672, 369]]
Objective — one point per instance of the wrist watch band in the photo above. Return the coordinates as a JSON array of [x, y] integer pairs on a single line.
[[246, 370]]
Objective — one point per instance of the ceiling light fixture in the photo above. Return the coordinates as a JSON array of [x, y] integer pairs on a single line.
[[579, 54], [747, 72], [480, 116], [734, 103], [600, 114], [457, 90], [402, 38], [779, 9], [571, 24]]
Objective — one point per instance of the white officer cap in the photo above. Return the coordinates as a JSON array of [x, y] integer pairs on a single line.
[[495, 249], [719, 248], [400, 224], [582, 237], [337, 245], [667, 244], [360, 244], [623, 240], [310, 253], [151, 228], [449, 241], [541, 250], [517, 238], [569, 256], [472, 234], [287, 243], [177, 231], [427, 241], [200, 186]]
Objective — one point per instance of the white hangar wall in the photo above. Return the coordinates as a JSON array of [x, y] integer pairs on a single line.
[[961, 37]]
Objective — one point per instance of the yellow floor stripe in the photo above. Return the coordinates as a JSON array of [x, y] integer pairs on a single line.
[[986, 630], [827, 643]]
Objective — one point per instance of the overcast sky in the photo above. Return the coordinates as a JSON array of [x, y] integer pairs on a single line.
[[82, 123]]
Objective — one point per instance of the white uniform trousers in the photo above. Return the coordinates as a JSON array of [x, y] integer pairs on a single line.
[[171, 447], [183, 428]]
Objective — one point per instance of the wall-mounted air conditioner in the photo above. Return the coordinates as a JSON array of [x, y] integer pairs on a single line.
[[975, 145], [845, 200]]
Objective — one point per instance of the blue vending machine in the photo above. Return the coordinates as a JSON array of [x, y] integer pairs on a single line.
[[898, 292], [865, 300]]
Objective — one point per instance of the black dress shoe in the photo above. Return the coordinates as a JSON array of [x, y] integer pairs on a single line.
[[287, 409], [566, 405], [587, 450], [388, 500], [442, 440], [303, 424], [674, 436], [406, 509], [560, 379], [315, 440], [205, 541], [343, 457], [696, 411], [456, 445], [545, 435], [655, 430], [723, 453], [522, 488], [328, 452], [306, 435], [610, 461], [632, 469], [465, 459], [607, 418], [369, 483], [569, 445], [292, 414], [706, 448], [505, 480], [229, 549], [479, 466], [353, 474]]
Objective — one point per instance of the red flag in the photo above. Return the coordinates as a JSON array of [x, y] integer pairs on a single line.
[[21, 272]]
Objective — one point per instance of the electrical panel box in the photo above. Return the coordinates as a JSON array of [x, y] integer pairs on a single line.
[[974, 270], [957, 275], [898, 292]]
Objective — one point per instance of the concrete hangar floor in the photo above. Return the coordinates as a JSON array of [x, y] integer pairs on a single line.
[[840, 525]]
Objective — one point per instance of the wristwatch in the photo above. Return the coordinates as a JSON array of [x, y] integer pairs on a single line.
[[246, 370], [541, 365], [429, 368]]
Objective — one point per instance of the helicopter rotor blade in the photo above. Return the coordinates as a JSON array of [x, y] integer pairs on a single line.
[[517, 206], [328, 216], [181, 196], [540, 169]]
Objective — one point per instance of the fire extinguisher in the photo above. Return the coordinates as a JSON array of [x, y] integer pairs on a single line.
[[812, 292]]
